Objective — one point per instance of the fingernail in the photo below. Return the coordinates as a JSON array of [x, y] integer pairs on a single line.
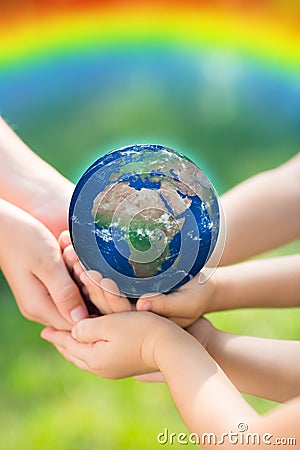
[[74, 332], [147, 306], [78, 313]]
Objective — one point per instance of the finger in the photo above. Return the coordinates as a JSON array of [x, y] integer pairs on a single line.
[[71, 346], [77, 271], [176, 304], [115, 301], [90, 330], [145, 302], [63, 290], [155, 377], [77, 362], [70, 257], [36, 304], [64, 239], [73, 264], [92, 281]]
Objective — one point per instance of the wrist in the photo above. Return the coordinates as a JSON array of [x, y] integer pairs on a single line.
[[221, 290], [159, 331], [170, 346], [30, 183], [203, 331], [48, 187], [50, 204]]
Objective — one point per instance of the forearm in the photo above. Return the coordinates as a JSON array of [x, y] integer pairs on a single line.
[[262, 212], [273, 282], [31, 184], [263, 367], [200, 389], [24, 177]]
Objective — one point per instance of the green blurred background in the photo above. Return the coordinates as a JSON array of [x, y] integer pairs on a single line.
[[234, 114]]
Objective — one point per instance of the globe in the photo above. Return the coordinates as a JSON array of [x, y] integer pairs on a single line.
[[145, 216]]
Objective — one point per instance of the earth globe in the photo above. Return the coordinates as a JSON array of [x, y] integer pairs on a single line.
[[145, 216]]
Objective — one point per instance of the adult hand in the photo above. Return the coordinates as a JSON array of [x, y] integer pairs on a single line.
[[102, 292], [31, 260]]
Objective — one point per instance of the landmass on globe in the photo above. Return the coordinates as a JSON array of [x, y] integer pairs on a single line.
[[148, 219], [145, 216]]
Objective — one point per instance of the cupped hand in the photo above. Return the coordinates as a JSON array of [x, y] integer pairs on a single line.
[[113, 346], [183, 306], [102, 292], [32, 262]]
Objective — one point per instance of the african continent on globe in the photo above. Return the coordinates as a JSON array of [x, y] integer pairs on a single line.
[[145, 216]]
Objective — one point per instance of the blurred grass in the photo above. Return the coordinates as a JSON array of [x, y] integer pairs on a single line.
[[46, 403]]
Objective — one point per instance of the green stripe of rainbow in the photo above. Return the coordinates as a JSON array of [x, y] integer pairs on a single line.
[[259, 37]]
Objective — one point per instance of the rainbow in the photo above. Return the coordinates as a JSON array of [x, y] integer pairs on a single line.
[[269, 34], [98, 58]]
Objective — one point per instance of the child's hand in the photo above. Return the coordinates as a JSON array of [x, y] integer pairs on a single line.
[[32, 263], [183, 306], [113, 346], [103, 292]]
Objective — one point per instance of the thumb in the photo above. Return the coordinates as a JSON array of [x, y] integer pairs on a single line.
[[64, 239], [89, 330], [175, 304], [158, 303], [64, 292]]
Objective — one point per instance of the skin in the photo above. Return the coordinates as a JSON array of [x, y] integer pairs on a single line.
[[34, 206], [251, 284], [31, 184], [153, 343], [254, 206], [98, 344], [201, 391], [32, 263], [250, 215], [266, 368]]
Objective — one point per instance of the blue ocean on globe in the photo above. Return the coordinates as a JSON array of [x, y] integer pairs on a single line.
[[146, 217]]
